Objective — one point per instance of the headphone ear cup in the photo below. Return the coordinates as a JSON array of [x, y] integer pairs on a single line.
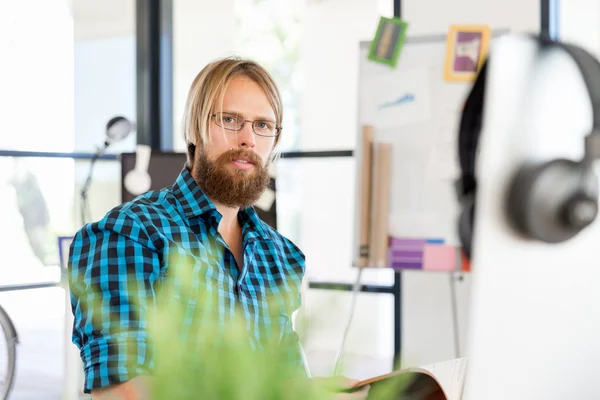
[[466, 220], [519, 197], [539, 196]]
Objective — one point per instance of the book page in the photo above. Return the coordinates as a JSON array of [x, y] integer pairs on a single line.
[[426, 382], [450, 375]]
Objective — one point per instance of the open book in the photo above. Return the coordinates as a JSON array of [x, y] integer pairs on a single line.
[[440, 381]]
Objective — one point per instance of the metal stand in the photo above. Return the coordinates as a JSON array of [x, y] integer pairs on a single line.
[[395, 290]]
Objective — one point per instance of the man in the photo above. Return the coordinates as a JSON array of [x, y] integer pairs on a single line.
[[203, 225]]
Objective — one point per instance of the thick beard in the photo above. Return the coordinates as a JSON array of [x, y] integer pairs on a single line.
[[229, 186]]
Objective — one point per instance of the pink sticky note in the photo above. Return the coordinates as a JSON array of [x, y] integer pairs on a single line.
[[439, 257]]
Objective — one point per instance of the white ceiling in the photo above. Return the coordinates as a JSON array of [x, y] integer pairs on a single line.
[[103, 18]]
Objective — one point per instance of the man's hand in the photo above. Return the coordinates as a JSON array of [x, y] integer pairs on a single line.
[[336, 386], [134, 389]]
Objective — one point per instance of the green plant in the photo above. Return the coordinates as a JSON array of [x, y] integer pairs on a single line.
[[210, 359], [207, 359]]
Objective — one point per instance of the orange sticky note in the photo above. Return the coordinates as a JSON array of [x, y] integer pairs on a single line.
[[439, 257], [465, 263]]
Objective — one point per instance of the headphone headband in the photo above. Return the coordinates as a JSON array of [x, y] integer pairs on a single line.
[[472, 115], [537, 206], [468, 134]]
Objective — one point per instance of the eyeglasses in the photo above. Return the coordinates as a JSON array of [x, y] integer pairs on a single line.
[[233, 122]]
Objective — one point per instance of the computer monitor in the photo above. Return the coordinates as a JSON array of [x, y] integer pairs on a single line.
[[534, 320], [164, 167]]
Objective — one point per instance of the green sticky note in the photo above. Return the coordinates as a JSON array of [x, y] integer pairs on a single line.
[[389, 39]]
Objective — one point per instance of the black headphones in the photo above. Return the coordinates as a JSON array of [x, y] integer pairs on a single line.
[[551, 201]]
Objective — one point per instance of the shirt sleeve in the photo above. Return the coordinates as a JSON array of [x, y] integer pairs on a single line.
[[294, 354], [113, 267], [290, 346]]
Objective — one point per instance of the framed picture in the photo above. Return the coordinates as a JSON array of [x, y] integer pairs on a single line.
[[389, 39], [466, 50]]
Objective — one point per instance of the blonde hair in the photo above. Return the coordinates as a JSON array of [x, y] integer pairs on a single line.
[[210, 84]]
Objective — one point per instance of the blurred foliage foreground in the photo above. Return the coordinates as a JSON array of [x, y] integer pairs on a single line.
[[215, 360]]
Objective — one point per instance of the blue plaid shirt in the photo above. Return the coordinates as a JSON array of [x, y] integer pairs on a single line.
[[118, 264]]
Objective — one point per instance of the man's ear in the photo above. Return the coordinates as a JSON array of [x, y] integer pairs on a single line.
[[191, 154]]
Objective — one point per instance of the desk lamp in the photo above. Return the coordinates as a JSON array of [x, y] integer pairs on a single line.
[[117, 129]]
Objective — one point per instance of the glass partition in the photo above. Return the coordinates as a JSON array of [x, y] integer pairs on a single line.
[[104, 70], [315, 208], [41, 203], [104, 190]]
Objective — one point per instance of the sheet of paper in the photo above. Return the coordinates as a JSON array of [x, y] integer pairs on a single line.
[[411, 223], [442, 161], [398, 99], [437, 257]]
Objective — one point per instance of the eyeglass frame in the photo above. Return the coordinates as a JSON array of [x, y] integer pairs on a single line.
[[278, 127]]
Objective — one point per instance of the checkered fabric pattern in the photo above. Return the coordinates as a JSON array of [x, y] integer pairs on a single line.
[[118, 265]]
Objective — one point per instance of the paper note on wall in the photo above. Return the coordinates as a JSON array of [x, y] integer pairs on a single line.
[[408, 253], [442, 161], [401, 99], [439, 257]]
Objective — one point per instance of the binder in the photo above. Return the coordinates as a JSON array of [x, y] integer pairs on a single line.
[[380, 205], [365, 193]]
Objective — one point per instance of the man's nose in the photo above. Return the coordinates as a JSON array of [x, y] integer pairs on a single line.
[[245, 136]]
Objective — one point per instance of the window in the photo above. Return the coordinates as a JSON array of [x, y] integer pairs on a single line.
[[271, 32], [36, 85], [41, 203], [105, 80]]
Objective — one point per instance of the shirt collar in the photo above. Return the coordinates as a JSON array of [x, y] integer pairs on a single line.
[[252, 225], [191, 197], [196, 204]]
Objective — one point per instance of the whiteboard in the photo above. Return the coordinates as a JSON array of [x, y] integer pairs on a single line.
[[418, 112]]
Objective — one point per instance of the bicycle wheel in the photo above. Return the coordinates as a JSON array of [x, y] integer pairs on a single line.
[[8, 354]]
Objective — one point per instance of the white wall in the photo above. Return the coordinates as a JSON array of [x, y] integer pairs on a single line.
[[434, 16], [579, 23], [328, 121]]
